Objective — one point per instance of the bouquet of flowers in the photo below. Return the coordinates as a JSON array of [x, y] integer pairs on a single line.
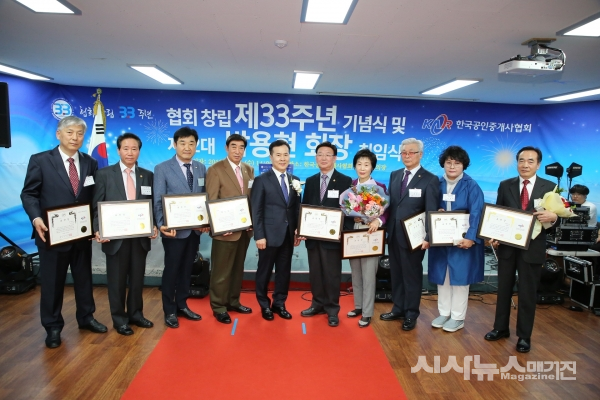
[[552, 201], [367, 201]]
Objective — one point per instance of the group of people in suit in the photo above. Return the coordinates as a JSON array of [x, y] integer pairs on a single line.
[[64, 176]]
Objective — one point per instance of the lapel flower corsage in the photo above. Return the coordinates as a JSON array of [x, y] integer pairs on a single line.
[[297, 186]]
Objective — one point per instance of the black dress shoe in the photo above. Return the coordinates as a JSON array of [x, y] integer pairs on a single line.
[[311, 312], [124, 330], [189, 314], [391, 316], [409, 324], [171, 321], [142, 323], [94, 326], [240, 309], [53, 339], [223, 317], [282, 312], [267, 314], [496, 334], [333, 320], [524, 345]]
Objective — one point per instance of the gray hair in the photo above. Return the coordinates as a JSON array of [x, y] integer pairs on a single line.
[[412, 141], [69, 121]]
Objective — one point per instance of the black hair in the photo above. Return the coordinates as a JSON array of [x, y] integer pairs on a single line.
[[236, 137], [531, 148], [277, 143], [129, 135], [365, 153], [329, 145], [184, 133], [456, 153], [580, 189]]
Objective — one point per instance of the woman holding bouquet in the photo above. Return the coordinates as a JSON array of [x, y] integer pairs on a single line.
[[365, 269], [454, 268]]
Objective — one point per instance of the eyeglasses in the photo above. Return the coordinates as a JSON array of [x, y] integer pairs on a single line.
[[324, 155], [453, 164], [409, 153]]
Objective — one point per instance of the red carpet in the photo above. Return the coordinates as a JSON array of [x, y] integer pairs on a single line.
[[267, 359]]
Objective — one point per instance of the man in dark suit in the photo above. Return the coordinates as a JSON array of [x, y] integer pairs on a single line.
[[55, 178], [324, 258], [275, 205], [229, 178], [520, 193], [178, 175], [125, 258], [413, 190]]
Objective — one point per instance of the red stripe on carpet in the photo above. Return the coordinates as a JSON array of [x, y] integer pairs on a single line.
[[267, 359]]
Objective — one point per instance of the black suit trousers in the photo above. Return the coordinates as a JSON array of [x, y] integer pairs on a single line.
[[53, 271], [529, 278], [127, 264], [281, 257], [407, 280], [325, 276], [177, 275]]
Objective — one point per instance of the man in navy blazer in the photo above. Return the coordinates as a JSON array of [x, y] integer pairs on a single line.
[[178, 175], [125, 258], [413, 190], [325, 258], [275, 206], [59, 177]]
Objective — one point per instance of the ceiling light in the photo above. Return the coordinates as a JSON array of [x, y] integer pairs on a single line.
[[50, 6], [450, 86], [157, 74], [588, 27], [7, 69], [327, 11], [574, 95], [306, 79]]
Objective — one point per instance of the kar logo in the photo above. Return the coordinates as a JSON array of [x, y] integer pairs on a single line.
[[437, 126]]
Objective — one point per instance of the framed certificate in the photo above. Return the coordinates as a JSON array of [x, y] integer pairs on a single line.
[[185, 211], [414, 228], [361, 243], [321, 223], [229, 215], [68, 223], [447, 228], [125, 219], [508, 226]]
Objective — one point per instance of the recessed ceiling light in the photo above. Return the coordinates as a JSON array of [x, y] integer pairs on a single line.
[[157, 74], [306, 79], [450, 86], [574, 95], [327, 11], [50, 6], [7, 69], [588, 27]]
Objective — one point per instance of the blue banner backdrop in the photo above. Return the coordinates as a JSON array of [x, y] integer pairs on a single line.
[[491, 133]]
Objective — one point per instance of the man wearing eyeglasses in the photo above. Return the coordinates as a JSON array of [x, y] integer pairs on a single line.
[[413, 190], [324, 258]]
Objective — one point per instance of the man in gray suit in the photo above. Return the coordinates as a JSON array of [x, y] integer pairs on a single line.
[[178, 175], [125, 258]]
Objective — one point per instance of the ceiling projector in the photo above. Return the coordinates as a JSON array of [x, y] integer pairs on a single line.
[[543, 60]]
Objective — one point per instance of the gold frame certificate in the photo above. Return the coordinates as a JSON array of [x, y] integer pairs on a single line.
[[361, 243], [125, 219], [185, 211], [68, 223], [320, 223], [447, 228], [229, 215], [508, 226], [414, 228]]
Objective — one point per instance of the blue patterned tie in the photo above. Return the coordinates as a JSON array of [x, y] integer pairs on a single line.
[[190, 177], [404, 182], [284, 188]]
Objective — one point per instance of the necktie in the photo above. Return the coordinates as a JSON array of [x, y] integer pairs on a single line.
[[323, 186], [73, 177], [404, 182], [284, 188], [190, 177], [524, 195], [239, 178], [130, 185]]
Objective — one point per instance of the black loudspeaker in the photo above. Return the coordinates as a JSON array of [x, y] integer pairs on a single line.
[[4, 116]]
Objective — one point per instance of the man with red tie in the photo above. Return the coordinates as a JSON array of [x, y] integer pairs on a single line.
[[520, 193]]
